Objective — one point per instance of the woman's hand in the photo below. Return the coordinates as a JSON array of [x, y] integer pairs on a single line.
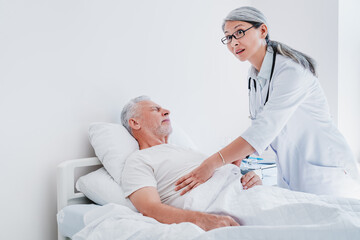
[[250, 179], [237, 162], [193, 179]]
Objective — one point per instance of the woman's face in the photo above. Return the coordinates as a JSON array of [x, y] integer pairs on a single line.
[[247, 48]]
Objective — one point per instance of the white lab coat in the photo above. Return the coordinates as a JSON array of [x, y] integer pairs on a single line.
[[312, 155]]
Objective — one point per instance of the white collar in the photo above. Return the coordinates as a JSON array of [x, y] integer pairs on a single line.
[[265, 71]]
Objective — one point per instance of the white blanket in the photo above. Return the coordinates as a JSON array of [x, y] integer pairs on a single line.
[[265, 213]]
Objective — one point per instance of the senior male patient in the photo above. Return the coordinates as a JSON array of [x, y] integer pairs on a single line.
[[150, 174]]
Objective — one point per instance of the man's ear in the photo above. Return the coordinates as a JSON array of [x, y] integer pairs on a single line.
[[134, 124]]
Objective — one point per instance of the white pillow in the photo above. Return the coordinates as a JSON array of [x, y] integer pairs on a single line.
[[101, 188], [180, 138], [113, 144]]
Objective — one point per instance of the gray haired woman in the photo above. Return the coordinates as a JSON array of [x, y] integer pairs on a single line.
[[289, 113]]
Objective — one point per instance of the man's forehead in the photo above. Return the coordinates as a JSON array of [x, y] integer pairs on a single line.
[[148, 103]]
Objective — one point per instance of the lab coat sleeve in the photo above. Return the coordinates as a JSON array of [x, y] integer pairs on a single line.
[[290, 87]]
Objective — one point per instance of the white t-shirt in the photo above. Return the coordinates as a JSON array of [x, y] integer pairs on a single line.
[[160, 167]]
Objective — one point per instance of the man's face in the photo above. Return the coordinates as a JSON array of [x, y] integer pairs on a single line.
[[152, 117]]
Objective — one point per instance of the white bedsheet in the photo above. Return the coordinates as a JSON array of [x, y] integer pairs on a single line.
[[265, 212], [70, 219]]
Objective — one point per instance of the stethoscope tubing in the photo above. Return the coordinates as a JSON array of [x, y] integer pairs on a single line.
[[268, 92]]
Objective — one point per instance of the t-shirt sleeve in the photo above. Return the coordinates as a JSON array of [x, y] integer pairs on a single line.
[[137, 174]]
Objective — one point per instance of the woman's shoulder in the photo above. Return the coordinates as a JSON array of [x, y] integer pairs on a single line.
[[284, 62], [287, 71], [286, 65]]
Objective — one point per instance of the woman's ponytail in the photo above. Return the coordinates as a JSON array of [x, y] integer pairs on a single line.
[[299, 57]]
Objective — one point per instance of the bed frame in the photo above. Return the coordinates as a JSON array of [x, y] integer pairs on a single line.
[[68, 173]]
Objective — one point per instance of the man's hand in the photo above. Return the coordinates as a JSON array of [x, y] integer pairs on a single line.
[[250, 179], [212, 221]]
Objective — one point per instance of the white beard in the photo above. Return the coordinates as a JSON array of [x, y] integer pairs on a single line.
[[164, 130]]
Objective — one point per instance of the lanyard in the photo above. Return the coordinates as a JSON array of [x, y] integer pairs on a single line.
[[271, 74]]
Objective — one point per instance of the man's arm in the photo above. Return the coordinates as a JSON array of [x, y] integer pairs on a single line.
[[147, 201]]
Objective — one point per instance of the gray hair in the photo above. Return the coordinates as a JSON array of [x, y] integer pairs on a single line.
[[130, 110], [257, 18]]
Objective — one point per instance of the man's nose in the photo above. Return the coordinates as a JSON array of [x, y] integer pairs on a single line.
[[166, 112]]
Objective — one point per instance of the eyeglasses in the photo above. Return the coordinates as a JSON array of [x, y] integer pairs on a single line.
[[237, 35]]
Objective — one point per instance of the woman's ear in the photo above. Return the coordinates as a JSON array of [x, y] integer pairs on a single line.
[[134, 124], [263, 31]]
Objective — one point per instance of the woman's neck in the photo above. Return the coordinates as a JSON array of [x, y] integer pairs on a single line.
[[258, 58]]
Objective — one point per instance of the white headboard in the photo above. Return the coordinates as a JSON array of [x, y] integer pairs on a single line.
[[67, 174]]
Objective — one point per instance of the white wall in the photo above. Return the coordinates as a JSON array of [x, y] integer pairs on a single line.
[[349, 73], [66, 64]]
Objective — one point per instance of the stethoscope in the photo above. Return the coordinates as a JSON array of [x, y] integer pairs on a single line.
[[252, 114]]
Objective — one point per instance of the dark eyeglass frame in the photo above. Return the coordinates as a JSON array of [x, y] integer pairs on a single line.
[[240, 33]]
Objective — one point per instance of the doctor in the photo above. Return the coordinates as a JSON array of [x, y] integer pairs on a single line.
[[289, 113]]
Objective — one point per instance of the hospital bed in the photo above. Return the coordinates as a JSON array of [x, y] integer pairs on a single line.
[[330, 222], [72, 205], [269, 212]]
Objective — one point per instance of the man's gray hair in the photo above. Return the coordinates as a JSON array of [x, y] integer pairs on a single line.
[[130, 110]]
